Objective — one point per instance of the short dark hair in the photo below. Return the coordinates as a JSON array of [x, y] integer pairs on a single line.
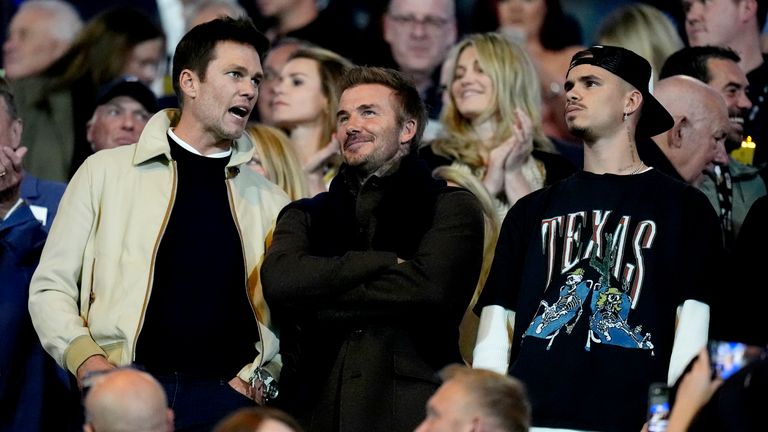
[[501, 398], [411, 105], [10, 101], [196, 48], [692, 61]]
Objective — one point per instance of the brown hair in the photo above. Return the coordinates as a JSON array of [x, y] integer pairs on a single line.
[[331, 67], [411, 105], [249, 419], [101, 49], [500, 398]]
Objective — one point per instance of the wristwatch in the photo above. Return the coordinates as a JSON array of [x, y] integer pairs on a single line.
[[262, 378]]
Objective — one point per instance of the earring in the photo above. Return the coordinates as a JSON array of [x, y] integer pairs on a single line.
[[625, 117]]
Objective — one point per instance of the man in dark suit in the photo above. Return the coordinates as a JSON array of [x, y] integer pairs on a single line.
[[32, 386]]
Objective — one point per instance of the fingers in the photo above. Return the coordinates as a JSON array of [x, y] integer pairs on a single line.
[[10, 160], [524, 128], [11, 171]]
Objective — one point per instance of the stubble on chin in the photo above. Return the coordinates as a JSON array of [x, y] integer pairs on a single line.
[[583, 133]]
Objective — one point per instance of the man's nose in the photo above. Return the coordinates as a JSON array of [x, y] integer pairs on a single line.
[[353, 125], [694, 12], [744, 102], [129, 122], [419, 28], [721, 155]]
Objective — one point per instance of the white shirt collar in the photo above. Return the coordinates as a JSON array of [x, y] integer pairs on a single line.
[[193, 150]]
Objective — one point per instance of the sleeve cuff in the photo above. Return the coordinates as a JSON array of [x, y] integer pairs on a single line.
[[79, 351]]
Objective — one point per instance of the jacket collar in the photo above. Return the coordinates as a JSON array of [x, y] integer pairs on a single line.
[[153, 141], [29, 187]]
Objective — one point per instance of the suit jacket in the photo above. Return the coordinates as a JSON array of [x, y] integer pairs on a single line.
[[32, 386], [43, 198], [362, 336]]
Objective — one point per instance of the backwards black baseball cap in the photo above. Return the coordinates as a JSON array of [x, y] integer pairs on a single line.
[[632, 68], [128, 86]]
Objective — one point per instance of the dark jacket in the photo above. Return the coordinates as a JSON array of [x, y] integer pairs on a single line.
[[32, 387], [44, 194], [361, 335]]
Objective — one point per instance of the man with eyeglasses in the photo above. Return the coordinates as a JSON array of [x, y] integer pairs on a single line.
[[420, 33]]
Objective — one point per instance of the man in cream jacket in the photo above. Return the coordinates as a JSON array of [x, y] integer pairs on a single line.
[[153, 259]]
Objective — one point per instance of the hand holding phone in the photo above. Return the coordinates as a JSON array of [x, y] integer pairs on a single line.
[[658, 407]]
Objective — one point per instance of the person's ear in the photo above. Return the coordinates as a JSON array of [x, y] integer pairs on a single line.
[[747, 9], [17, 127], [169, 418], [408, 130], [388, 28], [189, 83], [678, 132], [633, 101]]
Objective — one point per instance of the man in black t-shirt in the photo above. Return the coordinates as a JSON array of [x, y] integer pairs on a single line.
[[592, 270]]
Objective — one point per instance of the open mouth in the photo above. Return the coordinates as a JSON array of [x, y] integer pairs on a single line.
[[470, 93], [239, 111]]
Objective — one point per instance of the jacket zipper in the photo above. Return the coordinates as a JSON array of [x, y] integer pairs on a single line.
[[245, 267], [154, 257]]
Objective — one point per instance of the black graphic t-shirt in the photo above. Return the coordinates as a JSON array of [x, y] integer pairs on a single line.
[[595, 267]]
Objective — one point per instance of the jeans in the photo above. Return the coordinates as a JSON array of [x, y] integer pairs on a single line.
[[199, 403]]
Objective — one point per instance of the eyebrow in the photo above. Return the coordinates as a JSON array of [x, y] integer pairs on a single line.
[[366, 107], [589, 78], [243, 70], [358, 108], [569, 83]]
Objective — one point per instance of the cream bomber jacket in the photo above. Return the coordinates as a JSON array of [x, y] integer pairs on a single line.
[[91, 289]]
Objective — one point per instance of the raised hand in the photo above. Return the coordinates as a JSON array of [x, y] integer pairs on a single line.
[[520, 142], [11, 174]]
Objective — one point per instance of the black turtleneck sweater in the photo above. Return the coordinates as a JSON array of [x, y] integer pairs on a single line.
[[199, 320]]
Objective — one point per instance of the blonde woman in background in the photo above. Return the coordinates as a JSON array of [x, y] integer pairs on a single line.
[[551, 37], [493, 144], [492, 122], [305, 105], [275, 159], [643, 29]]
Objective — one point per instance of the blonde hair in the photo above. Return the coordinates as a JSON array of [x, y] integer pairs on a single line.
[[643, 29], [516, 85], [331, 67], [279, 160]]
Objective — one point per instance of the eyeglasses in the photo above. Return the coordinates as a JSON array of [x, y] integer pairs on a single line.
[[433, 24]]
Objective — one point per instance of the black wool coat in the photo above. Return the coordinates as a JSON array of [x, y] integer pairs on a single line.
[[362, 336]]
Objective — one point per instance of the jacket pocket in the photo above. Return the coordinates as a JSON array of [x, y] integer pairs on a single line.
[[114, 352]]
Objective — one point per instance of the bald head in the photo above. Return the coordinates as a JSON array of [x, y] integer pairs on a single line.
[[696, 142], [127, 400]]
